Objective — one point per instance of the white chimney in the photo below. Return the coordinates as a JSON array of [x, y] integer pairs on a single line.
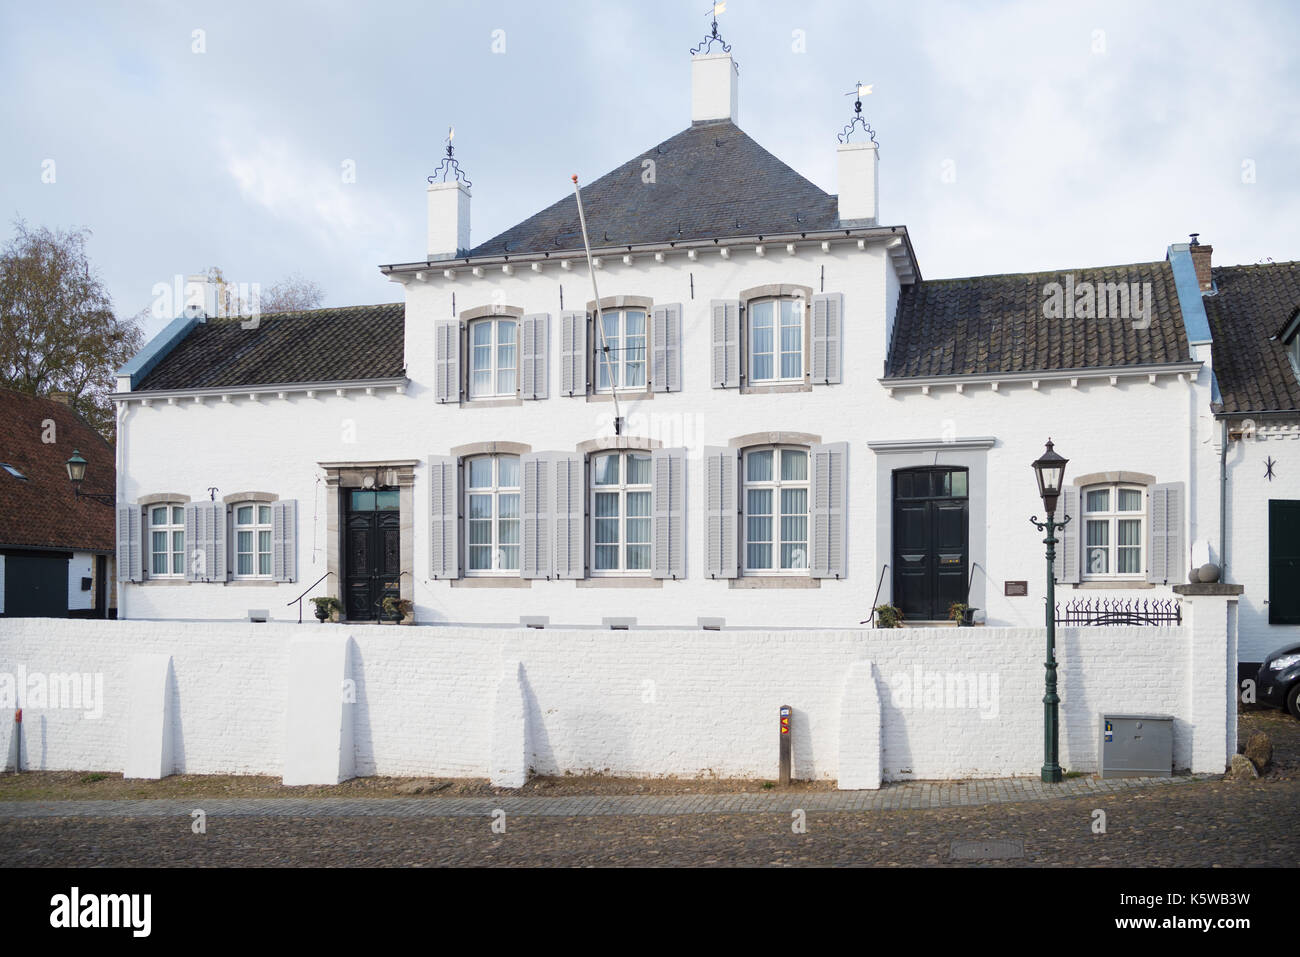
[[200, 297], [448, 220], [859, 182], [713, 88]]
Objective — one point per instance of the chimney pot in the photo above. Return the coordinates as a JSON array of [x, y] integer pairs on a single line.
[[714, 88]]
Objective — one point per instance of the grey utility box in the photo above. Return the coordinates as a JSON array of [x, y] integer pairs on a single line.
[[1137, 745]]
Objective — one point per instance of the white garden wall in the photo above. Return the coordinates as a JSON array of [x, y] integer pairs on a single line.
[[432, 700]]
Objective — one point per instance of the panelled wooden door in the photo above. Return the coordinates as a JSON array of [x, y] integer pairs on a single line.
[[1283, 562], [371, 550], [931, 541]]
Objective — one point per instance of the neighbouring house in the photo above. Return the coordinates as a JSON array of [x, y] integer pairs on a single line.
[[56, 547], [1254, 314], [767, 419]]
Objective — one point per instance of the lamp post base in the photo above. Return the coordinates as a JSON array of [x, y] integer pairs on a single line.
[[1052, 774]]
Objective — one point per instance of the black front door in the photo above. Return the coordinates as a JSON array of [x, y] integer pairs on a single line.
[[371, 550], [931, 541], [1283, 562]]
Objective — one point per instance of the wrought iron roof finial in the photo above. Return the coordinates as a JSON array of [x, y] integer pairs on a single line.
[[859, 90], [449, 165], [705, 45]]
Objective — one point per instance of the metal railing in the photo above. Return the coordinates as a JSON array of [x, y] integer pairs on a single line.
[[307, 589], [1120, 611]]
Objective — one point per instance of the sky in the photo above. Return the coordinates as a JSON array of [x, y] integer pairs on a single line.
[[276, 138]]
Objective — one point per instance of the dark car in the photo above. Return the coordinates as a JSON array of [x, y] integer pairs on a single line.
[[1279, 680]]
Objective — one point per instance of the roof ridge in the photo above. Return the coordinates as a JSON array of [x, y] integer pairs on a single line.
[[302, 312], [1042, 272]]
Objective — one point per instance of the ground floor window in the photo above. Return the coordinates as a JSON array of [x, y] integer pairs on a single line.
[[166, 541], [1114, 520], [620, 513], [775, 510], [492, 513]]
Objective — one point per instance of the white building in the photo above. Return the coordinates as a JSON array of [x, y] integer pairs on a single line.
[[805, 427]]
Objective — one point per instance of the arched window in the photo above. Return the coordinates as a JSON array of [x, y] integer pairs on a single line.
[[493, 357], [167, 541], [252, 540], [1114, 527], [775, 516], [492, 514], [620, 513]]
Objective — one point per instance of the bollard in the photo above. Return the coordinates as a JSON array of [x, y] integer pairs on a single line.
[[784, 775], [16, 744]]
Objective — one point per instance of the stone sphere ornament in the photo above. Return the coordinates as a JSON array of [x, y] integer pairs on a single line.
[[1208, 573]]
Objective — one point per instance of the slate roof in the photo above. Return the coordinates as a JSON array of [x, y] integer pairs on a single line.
[[317, 345], [1251, 305], [711, 181], [41, 511], [995, 324]]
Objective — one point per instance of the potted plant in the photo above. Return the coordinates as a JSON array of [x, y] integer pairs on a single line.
[[888, 616], [398, 609], [961, 613], [327, 607]]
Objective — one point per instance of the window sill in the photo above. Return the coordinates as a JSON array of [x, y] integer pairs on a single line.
[[1116, 585], [164, 581], [607, 397], [776, 389], [776, 581], [252, 582], [494, 402], [490, 581], [614, 581]]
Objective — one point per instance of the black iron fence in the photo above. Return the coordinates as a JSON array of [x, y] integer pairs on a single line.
[[1120, 611]]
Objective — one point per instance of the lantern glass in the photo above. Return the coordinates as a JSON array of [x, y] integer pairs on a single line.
[[1049, 469], [76, 467]]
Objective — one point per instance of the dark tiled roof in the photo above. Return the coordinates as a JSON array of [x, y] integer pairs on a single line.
[[41, 510], [319, 345], [711, 181], [1250, 307], [995, 324]]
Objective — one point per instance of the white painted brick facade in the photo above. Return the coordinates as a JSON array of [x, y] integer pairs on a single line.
[[432, 701]]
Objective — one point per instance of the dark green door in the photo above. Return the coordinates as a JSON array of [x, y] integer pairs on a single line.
[[931, 541], [1283, 562], [36, 586]]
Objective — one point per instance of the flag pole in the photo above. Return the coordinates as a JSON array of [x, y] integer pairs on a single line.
[[600, 322]]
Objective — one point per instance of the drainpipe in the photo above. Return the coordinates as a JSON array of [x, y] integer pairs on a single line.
[[1223, 503]]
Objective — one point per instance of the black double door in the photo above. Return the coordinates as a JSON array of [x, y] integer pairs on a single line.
[[931, 541], [372, 551]]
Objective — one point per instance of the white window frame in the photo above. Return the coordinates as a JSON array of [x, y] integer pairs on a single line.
[[256, 528], [619, 360], [1293, 352], [170, 528], [1113, 516], [776, 484], [801, 306], [622, 488], [495, 490], [495, 368]]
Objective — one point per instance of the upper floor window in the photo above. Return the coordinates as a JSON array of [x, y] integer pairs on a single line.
[[166, 541], [253, 541], [620, 349], [620, 513], [776, 340], [775, 510], [493, 358], [492, 514], [1114, 520], [1293, 351]]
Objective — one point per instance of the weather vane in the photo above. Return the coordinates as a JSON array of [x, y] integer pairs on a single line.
[[449, 165], [859, 90], [705, 45]]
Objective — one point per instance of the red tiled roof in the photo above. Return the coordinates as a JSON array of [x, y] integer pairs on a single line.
[[40, 511]]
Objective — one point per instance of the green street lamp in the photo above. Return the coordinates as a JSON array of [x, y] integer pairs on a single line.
[[77, 473], [1049, 469]]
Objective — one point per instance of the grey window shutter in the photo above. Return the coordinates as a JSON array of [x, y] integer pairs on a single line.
[[1165, 509], [1068, 566], [284, 540], [444, 537], [446, 354], [828, 510], [724, 328], [215, 544], [570, 515], [196, 519], [535, 534], [666, 333], [573, 353], [722, 548], [827, 328], [534, 356], [668, 506], [130, 542]]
